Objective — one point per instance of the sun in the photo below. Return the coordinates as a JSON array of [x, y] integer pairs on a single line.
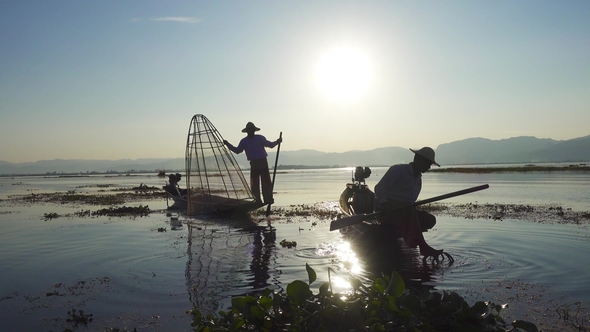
[[344, 74]]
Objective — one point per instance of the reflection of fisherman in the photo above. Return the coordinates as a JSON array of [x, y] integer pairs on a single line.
[[254, 145], [261, 253]]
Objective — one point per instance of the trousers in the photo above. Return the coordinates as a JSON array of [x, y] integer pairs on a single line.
[[259, 173]]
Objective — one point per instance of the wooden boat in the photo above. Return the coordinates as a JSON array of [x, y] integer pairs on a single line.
[[214, 181], [179, 196], [358, 199]]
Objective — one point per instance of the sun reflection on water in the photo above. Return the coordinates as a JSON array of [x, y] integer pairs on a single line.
[[348, 259], [346, 262]]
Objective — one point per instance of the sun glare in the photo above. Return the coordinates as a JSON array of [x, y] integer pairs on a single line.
[[344, 74]]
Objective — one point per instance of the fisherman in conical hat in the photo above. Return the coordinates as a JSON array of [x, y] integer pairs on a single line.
[[401, 185], [254, 146]]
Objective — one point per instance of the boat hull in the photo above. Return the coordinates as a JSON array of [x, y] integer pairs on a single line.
[[205, 204]]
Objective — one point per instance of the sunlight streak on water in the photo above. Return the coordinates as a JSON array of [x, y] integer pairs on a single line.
[[348, 258]]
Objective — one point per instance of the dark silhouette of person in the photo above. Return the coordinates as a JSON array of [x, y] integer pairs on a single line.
[[401, 185], [254, 145], [174, 179]]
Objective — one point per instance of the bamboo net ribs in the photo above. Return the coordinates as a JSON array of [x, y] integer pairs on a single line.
[[214, 179]]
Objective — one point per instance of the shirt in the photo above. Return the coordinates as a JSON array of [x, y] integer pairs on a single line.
[[253, 146], [399, 184]]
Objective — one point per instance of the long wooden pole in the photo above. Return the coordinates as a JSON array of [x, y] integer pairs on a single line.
[[348, 221], [274, 173]]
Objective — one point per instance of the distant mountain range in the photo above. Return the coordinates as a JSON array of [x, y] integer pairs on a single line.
[[524, 149]]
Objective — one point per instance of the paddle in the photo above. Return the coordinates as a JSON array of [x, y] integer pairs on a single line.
[[348, 221], [274, 174]]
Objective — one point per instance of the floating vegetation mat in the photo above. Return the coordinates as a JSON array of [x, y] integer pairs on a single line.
[[113, 196], [544, 213], [110, 195], [121, 211]]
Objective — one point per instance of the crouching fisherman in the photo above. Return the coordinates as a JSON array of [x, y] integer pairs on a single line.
[[401, 185]]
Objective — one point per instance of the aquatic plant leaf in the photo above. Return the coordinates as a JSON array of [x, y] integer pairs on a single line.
[[425, 294], [465, 327], [237, 324], [277, 300], [332, 313], [355, 283], [391, 303], [265, 302], [257, 312], [480, 308], [325, 289], [379, 285], [248, 299], [267, 325], [527, 326], [197, 316], [377, 327], [298, 291], [238, 303], [455, 299], [310, 273], [396, 286], [375, 304], [355, 309]]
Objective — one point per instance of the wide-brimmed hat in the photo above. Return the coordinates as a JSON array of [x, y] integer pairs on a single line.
[[250, 127], [427, 153]]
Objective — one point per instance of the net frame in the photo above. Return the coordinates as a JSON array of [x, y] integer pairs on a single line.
[[214, 180]]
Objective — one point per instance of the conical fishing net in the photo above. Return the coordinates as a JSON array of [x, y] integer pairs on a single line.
[[214, 179]]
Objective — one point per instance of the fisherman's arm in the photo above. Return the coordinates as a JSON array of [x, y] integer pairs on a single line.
[[239, 149], [270, 144]]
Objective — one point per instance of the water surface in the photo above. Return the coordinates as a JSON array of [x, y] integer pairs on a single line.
[[128, 274]]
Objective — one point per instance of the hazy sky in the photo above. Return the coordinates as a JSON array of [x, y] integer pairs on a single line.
[[122, 79]]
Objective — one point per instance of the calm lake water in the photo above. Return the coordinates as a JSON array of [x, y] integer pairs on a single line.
[[128, 275]]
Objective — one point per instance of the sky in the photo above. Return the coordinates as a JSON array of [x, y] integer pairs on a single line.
[[122, 79]]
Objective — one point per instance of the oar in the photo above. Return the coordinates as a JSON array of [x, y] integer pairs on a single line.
[[348, 221], [274, 174]]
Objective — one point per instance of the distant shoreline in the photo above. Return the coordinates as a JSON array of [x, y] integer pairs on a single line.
[[453, 169], [498, 169]]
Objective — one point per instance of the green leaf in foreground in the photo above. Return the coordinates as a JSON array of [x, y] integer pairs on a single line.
[[310, 273]]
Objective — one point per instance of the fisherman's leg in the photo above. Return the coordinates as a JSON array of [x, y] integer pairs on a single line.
[[255, 180], [266, 186], [409, 224], [413, 232], [427, 220], [403, 219]]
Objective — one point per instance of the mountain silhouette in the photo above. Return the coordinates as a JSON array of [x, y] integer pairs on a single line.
[[523, 149]]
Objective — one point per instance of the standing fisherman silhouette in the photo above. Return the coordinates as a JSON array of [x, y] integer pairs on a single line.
[[254, 145]]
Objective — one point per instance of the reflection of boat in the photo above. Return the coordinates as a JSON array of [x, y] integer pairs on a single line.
[[214, 180], [229, 258]]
